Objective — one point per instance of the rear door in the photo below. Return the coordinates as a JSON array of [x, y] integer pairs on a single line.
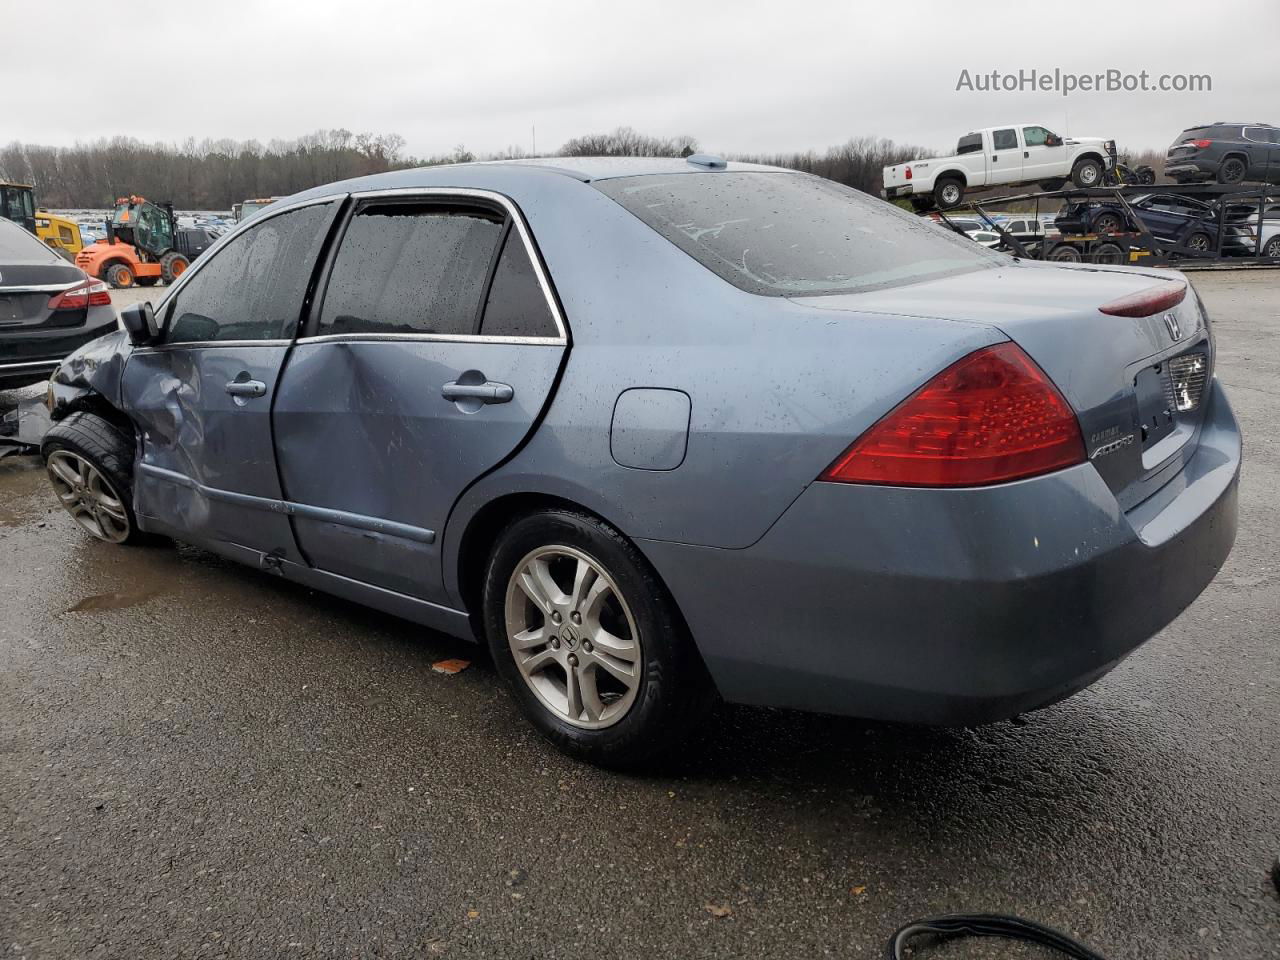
[[427, 359], [203, 396], [1006, 157]]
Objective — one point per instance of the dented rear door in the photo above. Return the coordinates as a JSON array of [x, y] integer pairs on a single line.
[[432, 348]]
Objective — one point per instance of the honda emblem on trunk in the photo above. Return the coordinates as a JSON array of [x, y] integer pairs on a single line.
[[1171, 322]]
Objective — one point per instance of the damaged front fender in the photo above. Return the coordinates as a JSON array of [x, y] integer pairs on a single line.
[[95, 370]]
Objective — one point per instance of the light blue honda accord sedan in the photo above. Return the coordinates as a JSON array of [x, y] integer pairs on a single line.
[[657, 429]]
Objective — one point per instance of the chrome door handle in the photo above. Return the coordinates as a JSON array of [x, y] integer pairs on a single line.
[[487, 392], [247, 388]]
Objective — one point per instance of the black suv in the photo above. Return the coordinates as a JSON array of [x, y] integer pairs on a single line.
[[1226, 152]]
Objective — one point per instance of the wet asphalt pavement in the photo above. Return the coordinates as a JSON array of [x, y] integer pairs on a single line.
[[197, 760]]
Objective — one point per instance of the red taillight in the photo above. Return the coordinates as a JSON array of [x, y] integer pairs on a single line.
[[990, 417], [1201, 143], [1163, 296], [907, 173], [89, 293]]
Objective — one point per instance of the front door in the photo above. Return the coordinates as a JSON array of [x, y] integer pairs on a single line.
[[1005, 157], [203, 395], [1044, 154], [425, 363]]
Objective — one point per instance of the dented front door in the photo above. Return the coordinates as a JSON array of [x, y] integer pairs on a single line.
[[203, 397]]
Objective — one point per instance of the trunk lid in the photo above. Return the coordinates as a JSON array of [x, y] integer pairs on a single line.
[[25, 289], [1136, 383]]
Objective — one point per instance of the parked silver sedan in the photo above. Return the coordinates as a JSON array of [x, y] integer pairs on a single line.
[[654, 429]]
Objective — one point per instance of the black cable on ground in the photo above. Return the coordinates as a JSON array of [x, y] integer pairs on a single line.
[[988, 925]]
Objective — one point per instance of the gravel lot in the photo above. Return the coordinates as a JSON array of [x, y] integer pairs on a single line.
[[199, 760]]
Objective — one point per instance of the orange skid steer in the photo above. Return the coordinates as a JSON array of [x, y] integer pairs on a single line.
[[142, 246]]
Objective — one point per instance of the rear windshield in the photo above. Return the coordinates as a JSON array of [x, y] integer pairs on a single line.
[[791, 234], [19, 246], [1210, 133]]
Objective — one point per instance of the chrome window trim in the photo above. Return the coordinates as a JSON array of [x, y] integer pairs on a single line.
[[203, 260], [517, 218], [207, 344]]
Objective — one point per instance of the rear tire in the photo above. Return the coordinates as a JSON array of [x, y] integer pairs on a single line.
[[1087, 173], [1272, 248], [1233, 170], [173, 265], [948, 192], [622, 717], [1108, 223], [1064, 253], [90, 465], [119, 275]]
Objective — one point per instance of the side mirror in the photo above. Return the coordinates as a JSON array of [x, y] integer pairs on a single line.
[[140, 322], [1052, 141]]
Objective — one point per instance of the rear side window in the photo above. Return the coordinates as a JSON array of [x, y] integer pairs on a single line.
[[792, 234], [1005, 139], [516, 306], [252, 289], [969, 143], [411, 268]]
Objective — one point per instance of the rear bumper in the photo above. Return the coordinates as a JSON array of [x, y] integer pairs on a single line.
[[901, 190], [32, 355], [955, 606], [1191, 168]]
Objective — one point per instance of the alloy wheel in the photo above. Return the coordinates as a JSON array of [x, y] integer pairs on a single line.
[[88, 496], [572, 637]]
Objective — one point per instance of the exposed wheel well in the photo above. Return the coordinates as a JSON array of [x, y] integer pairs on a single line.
[[482, 531], [98, 405], [952, 175], [1096, 157]]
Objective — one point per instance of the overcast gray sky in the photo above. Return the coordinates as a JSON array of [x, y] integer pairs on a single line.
[[739, 76]]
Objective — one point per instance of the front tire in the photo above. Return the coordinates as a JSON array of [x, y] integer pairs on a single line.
[[1065, 253], [120, 276], [1200, 243], [1087, 173], [90, 465], [1272, 248], [589, 641]]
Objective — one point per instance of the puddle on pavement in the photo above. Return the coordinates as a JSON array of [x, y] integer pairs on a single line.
[[24, 491], [113, 601]]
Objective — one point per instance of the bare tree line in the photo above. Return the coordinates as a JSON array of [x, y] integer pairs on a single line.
[[214, 174]]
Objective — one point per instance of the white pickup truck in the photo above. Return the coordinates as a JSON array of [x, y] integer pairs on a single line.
[[1025, 153]]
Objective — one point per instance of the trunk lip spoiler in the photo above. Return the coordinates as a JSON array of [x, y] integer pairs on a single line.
[[1148, 301]]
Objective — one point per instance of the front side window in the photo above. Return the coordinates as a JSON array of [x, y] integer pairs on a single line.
[[411, 268], [253, 288], [792, 234], [1034, 136], [1005, 139]]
